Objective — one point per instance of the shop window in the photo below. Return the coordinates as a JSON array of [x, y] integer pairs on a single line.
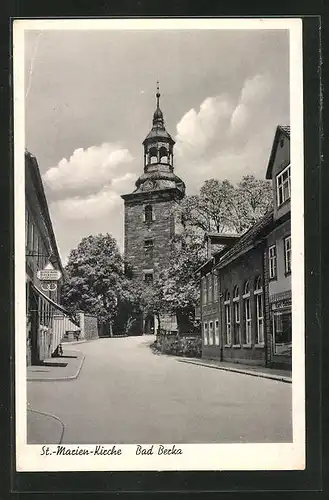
[[272, 263], [205, 334], [258, 292], [236, 315], [287, 255], [282, 332], [217, 332], [211, 333], [247, 313], [227, 312], [283, 186]]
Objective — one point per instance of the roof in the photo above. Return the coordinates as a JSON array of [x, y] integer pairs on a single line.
[[223, 257], [280, 129], [36, 178]]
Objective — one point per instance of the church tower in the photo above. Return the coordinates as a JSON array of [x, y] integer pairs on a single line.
[[150, 219]]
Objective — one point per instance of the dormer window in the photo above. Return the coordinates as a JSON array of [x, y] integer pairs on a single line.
[[283, 183]]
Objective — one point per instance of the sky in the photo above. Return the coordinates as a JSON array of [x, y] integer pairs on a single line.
[[90, 98]]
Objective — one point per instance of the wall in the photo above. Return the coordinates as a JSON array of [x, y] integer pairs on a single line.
[[282, 159], [246, 267], [91, 327], [283, 282], [137, 231]]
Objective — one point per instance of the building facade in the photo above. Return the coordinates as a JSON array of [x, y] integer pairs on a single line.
[[279, 317], [245, 289], [43, 333], [150, 219]]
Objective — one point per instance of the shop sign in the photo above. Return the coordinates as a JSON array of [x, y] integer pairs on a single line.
[[282, 304], [49, 275]]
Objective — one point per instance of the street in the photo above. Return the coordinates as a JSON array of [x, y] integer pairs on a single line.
[[127, 394]]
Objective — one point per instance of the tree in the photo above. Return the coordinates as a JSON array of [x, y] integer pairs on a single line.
[[223, 207], [96, 280]]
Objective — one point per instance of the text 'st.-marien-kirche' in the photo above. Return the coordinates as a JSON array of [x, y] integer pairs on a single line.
[[150, 218]]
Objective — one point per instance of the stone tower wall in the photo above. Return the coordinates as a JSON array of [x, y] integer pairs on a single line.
[[137, 230]]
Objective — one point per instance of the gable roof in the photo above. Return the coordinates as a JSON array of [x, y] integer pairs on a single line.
[[280, 129]]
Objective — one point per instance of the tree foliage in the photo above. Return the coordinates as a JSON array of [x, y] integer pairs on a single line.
[[96, 280]]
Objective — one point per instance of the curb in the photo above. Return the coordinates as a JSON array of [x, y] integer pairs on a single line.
[[51, 416], [58, 379], [278, 378]]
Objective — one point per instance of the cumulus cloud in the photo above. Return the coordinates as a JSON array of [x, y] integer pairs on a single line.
[[197, 129], [228, 136], [88, 170]]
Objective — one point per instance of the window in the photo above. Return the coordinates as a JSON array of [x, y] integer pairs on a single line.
[[210, 297], [247, 313], [236, 314], [283, 185], [259, 310], [205, 334], [211, 333], [31, 237], [272, 262], [148, 247], [148, 277], [148, 214], [204, 291], [227, 311], [287, 255], [216, 332]]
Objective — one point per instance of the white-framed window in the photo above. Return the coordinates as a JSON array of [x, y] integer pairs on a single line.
[[283, 185], [217, 332], [236, 316], [204, 290], [205, 333], [272, 262], [247, 313], [211, 332], [227, 311], [210, 296], [258, 292], [287, 255]]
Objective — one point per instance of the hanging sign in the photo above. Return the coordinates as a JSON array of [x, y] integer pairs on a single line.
[[49, 286], [49, 275]]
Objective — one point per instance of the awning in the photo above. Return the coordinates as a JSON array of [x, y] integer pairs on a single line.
[[52, 302]]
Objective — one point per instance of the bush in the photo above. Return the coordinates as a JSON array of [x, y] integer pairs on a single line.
[[190, 347]]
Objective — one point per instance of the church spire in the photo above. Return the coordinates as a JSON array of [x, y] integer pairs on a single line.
[[158, 121]]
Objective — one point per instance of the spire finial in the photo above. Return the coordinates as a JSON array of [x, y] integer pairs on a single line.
[[158, 94]]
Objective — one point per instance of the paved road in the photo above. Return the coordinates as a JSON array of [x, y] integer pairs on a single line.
[[127, 394]]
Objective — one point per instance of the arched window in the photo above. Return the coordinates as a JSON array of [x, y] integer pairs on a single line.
[[148, 213], [236, 316], [153, 155], [258, 292], [227, 312], [163, 155], [258, 284], [247, 313]]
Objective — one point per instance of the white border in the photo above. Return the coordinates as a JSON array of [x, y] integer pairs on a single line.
[[274, 456]]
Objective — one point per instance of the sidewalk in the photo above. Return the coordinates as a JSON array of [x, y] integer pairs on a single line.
[[254, 371], [66, 367], [43, 428]]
